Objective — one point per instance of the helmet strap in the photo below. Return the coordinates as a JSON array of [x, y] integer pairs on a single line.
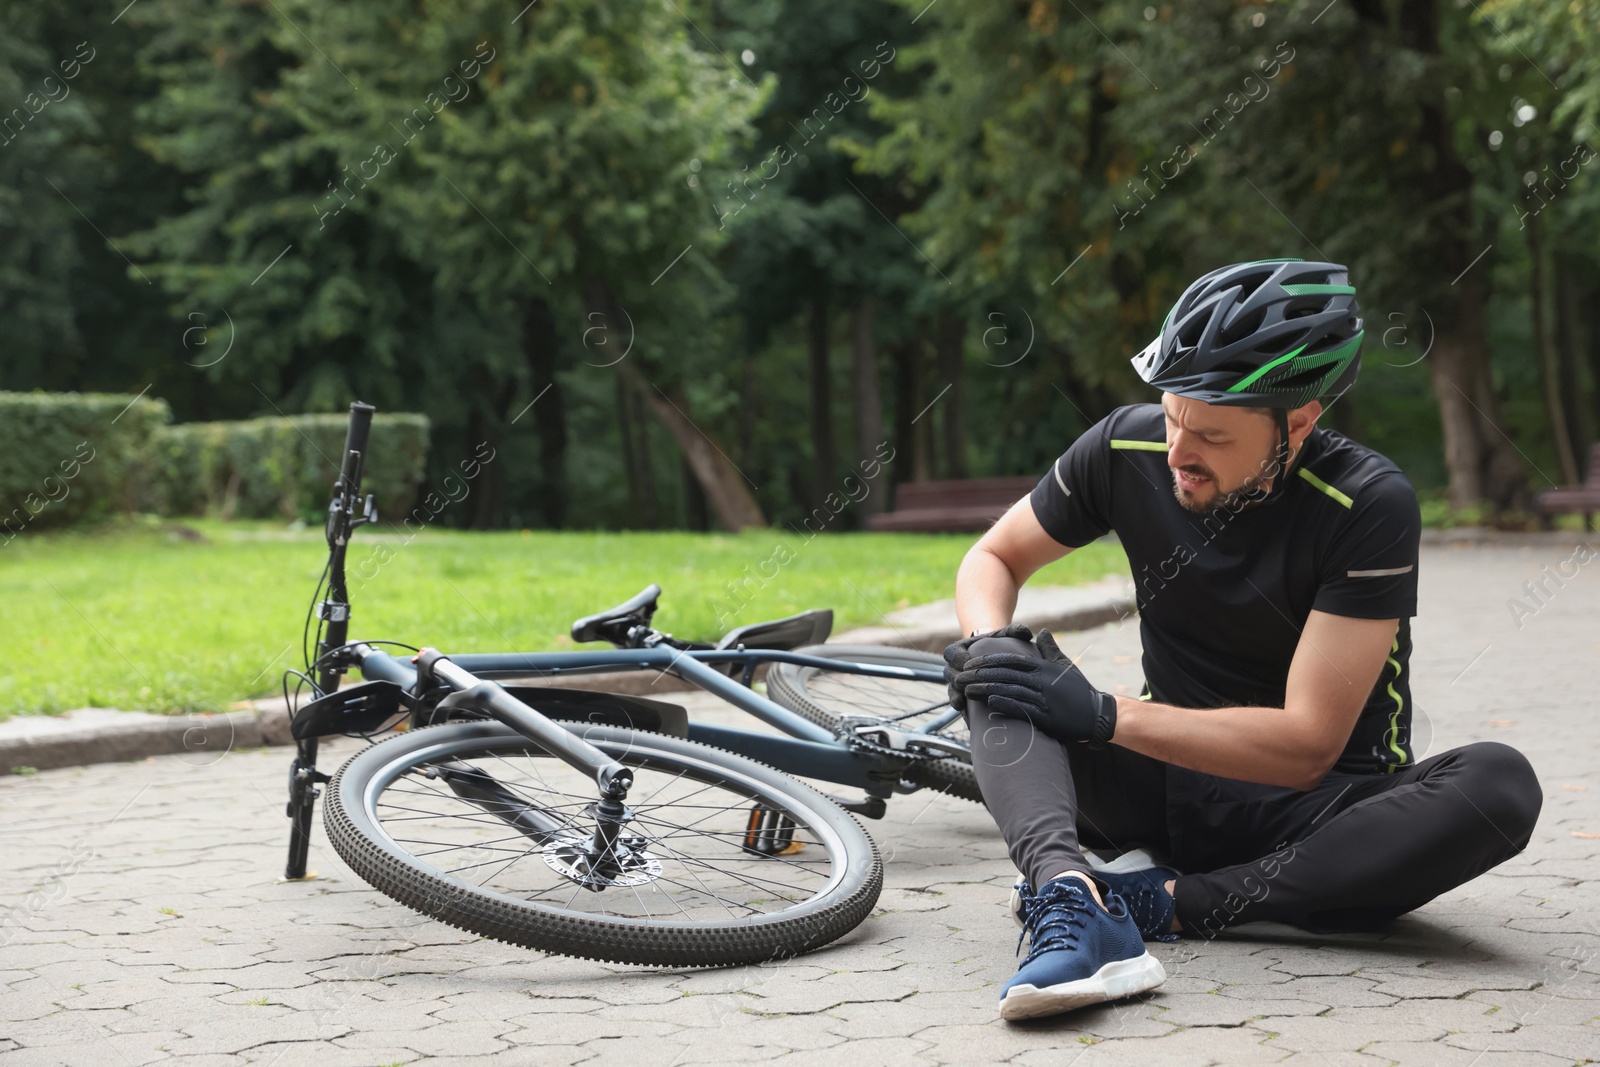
[[1281, 477]]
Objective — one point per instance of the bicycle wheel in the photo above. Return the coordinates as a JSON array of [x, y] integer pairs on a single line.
[[824, 696], [722, 860]]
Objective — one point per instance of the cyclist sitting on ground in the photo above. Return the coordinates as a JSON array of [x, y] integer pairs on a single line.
[[1269, 754]]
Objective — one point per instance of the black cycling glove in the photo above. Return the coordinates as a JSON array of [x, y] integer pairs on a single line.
[[1051, 693], [959, 653]]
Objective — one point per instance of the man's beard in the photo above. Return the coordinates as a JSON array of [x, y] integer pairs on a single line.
[[1251, 492]]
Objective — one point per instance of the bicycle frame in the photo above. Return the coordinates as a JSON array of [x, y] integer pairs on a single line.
[[809, 750], [803, 749]]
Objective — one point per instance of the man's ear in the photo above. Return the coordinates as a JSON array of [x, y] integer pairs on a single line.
[[1302, 420]]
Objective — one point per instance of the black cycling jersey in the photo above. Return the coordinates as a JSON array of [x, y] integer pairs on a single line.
[[1223, 597]]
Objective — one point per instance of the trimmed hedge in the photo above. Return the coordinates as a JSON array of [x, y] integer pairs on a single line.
[[74, 457], [284, 467]]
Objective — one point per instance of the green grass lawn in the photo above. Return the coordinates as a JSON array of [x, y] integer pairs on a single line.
[[136, 617]]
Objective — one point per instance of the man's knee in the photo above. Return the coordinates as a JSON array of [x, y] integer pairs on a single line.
[[1501, 784], [988, 646], [989, 728]]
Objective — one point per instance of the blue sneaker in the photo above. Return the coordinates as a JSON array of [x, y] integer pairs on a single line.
[[1078, 953], [1145, 893], [1143, 889]]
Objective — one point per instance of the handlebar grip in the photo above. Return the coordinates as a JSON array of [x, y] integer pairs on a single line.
[[360, 426]]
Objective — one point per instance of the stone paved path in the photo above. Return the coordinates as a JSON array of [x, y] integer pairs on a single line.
[[140, 920]]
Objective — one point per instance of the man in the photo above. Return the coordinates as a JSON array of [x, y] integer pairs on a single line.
[[1276, 574]]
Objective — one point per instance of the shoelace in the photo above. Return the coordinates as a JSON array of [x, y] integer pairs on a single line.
[[1049, 917], [1150, 906]]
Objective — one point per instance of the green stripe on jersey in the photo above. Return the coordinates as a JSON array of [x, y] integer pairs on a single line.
[[1325, 487], [1399, 706], [1139, 446]]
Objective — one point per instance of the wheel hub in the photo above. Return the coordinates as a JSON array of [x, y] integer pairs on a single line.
[[626, 863]]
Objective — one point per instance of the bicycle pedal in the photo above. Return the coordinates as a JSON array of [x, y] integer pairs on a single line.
[[868, 807], [770, 833]]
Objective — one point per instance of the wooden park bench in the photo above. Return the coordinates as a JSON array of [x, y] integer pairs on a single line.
[[1570, 498], [951, 506]]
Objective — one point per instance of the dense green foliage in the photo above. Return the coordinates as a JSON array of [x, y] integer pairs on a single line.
[[283, 467], [70, 457], [137, 616], [687, 264]]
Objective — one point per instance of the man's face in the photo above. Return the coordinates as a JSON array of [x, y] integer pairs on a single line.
[[1218, 455]]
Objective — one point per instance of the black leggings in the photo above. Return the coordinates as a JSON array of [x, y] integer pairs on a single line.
[[1349, 854]]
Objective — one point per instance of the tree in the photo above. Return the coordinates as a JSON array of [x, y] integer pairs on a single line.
[[460, 190]]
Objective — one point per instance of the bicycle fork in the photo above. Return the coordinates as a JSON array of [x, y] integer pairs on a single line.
[[607, 857]]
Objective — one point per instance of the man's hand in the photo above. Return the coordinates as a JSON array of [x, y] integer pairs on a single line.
[[958, 654], [1051, 693]]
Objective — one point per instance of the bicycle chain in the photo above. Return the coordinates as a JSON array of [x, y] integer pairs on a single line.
[[846, 729]]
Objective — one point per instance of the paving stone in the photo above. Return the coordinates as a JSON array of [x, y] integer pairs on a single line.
[[1198, 1009], [1573, 1042], [1314, 1034], [1178, 1048], [322, 1054], [1439, 1054]]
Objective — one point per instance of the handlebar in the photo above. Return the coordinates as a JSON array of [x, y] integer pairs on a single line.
[[360, 426]]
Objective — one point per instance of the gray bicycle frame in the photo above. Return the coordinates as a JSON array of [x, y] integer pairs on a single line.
[[809, 750]]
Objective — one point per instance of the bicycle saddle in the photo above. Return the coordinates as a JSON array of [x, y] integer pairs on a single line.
[[806, 628], [613, 624]]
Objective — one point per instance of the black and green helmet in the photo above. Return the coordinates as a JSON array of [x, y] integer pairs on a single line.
[[1274, 333]]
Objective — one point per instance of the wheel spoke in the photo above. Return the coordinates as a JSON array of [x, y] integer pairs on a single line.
[[687, 820]]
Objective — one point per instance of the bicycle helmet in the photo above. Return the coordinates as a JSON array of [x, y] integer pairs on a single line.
[[1273, 333], [1276, 333]]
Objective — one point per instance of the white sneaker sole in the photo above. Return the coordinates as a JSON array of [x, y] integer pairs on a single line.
[[1117, 979]]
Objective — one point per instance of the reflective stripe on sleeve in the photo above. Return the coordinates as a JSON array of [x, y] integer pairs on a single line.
[[1381, 572], [1055, 469]]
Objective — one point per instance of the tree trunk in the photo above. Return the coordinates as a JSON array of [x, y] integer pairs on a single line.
[[636, 457], [486, 424], [1565, 268], [868, 398], [694, 502], [540, 350], [1549, 360], [911, 465], [949, 342], [1589, 302], [1483, 464], [821, 399], [724, 485], [749, 411]]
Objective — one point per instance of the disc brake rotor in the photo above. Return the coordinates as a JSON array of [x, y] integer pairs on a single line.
[[628, 864]]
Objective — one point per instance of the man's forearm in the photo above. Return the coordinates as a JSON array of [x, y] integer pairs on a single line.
[[1252, 744], [986, 592]]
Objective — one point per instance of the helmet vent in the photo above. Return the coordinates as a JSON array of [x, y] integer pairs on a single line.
[[1243, 328], [1304, 379]]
